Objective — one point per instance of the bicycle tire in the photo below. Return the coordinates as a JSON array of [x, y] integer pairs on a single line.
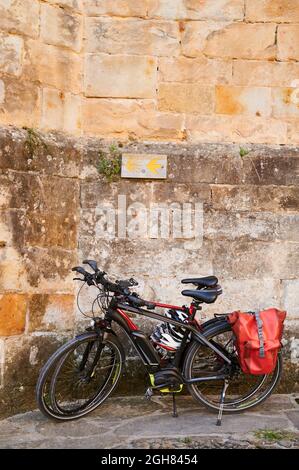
[[216, 330], [57, 358]]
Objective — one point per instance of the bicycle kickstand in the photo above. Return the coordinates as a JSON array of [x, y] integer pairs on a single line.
[[174, 414], [225, 385]]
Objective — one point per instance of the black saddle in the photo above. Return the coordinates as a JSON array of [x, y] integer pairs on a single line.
[[208, 281], [207, 296]]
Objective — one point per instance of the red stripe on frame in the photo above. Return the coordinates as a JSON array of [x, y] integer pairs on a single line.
[[126, 317]]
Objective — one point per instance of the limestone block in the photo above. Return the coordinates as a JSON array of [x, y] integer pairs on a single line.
[[61, 111], [13, 309], [201, 71], [287, 42], [290, 297], [186, 98], [286, 102], [246, 294], [49, 270], [20, 16], [239, 260], [130, 119], [76, 5], [280, 11], [46, 229], [181, 257], [11, 49], [125, 8], [208, 128], [52, 155], [51, 312], [20, 102], [293, 131], [132, 36], [54, 66], [2, 359], [195, 35], [24, 357], [244, 41], [256, 129], [262, 73], [258, 198], [120, 76], [231, 225], [61, 27], [195, 10], [243, 100]]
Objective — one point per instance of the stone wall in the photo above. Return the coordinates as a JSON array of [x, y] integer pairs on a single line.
[[196, 70], [193, 80], [50, 201]]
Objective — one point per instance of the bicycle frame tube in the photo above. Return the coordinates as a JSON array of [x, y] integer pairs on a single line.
[[142, 344]]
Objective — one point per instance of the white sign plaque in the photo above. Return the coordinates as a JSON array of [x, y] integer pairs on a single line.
[[144, 165]]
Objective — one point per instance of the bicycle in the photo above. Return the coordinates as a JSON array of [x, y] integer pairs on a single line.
[[181, 351]]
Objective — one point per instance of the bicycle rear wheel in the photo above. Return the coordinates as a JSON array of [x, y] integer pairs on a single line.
[[79, 376], [244, 391]]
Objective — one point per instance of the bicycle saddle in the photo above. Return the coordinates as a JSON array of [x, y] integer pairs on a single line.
[[206, 296], [208, 281]]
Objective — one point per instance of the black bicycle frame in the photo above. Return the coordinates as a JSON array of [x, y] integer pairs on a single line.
[[144, 347]]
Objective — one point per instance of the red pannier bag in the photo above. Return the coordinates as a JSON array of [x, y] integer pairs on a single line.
[[257, 339]]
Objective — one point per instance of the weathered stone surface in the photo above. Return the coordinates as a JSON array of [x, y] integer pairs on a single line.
[[61, 27], [20, 16], [293, 131], [281, 11], [13, 309], [246, 294], [136, 80], [245, 41], [262, 198], [20, 102], [52, 154], [290, 297], [195, 35], [192, 9], [157, 38], [51, 312], [62, 110], [200, 71], [262, 73], [76, 5], [125, 8], [245, 225], [236, 128], [130, 119], [287, 40], [285, 102], [24, 358], [208, 128], [256, 129], [239, 260], [11, 48], [243, 100], [54, 66], [49, 269], [182, 98]]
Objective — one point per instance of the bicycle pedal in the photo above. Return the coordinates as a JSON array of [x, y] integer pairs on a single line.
[[149, 393]]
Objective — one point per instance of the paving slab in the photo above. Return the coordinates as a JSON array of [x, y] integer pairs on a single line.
[[134, 422]]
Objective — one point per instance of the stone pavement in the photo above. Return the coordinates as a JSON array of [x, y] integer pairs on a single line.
[[134, 422]]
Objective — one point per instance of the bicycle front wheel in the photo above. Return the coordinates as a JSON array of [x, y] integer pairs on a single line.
[[244, 390], [80, 376]]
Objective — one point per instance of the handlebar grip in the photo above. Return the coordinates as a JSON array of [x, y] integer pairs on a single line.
[[140, 302]]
